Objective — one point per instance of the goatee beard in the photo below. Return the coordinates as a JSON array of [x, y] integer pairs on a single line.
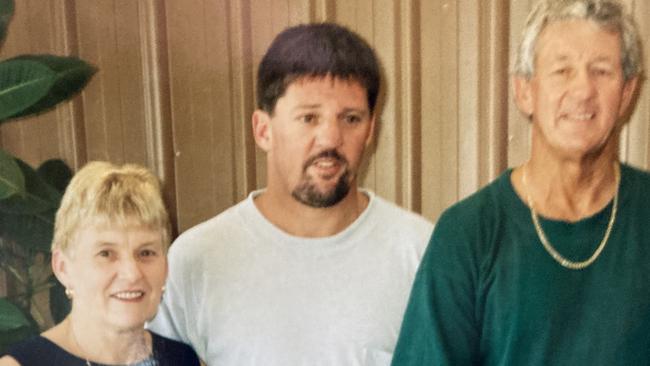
[[307, 192]]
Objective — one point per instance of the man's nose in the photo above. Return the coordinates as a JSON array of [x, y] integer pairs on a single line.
[[330, 134], [583, 85]]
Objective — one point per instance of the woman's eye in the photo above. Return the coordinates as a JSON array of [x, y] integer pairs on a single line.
[[104, 253], [148, 253]]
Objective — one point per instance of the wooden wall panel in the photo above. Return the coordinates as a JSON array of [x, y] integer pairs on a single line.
[[176, 89], [439, 105], [407, 96], [109, 37], [244, 157], [202, 107], [635, 141], [40, 27], [493, 90]]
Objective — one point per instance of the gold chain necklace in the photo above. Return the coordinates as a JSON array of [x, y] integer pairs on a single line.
[[549, 247]]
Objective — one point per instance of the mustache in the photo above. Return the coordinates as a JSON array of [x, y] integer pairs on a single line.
[[331, 154]]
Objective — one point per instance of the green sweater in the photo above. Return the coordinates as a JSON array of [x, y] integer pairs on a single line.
[[488, 293]]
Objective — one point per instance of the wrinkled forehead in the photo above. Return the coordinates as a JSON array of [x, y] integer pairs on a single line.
[[579, 35]]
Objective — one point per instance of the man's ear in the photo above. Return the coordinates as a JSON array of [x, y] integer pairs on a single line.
[[262, 129], [60, 267], [629, 89], [523, 95]]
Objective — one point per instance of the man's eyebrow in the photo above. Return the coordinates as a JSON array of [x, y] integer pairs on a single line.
[[604, 58], [361, 110], [307, 106], [101, 243], [564, 57], [107, 243], [560, 57]]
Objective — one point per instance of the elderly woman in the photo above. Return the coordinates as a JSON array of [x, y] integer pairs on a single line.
[[109, 251], [549, 264]]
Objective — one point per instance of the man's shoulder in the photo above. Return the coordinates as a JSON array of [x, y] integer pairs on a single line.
[[480, 205], [635, 186], [169, 350], [391, 211], [214, 231], [636, 174], [391, 220]]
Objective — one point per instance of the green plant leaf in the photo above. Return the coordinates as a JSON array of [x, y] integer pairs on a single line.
[[29, 231], [12, 180], [28, 219], [11, 318], [71, 75], [23, 83], [14, 325], [56, 173], [6, 12], [39, 196]]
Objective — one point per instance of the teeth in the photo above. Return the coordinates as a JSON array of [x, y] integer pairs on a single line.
[[128, 295], [325, 164]]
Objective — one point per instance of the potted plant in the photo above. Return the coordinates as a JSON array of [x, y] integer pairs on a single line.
[[29, 198]]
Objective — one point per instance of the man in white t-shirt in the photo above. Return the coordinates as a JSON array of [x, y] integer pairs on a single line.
[[311, 270]]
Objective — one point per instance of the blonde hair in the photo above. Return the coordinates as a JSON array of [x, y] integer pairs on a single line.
[[611, 15], [104, 193]]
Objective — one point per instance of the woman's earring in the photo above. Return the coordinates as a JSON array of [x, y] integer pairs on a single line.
[[69, 293]]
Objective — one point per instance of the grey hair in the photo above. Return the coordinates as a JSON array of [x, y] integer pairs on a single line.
[[611, 15]]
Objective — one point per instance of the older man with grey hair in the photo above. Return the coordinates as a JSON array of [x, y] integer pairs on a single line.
[[550, 263]]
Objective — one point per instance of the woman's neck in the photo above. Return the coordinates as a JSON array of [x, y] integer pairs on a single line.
[[99, 344]]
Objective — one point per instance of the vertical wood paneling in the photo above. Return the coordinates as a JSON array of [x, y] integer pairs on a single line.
[[430, 53], [176, 89], [244, 157], [385, 35], [130, 84], [469, 28], [636, 135], [323, 10], [643, 11], [299, 12], [439, 53], [98, 40], [202, 107], [122, 107], [493, 90], [156, 96], [408, 97], [72, 142], [262, 29]]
